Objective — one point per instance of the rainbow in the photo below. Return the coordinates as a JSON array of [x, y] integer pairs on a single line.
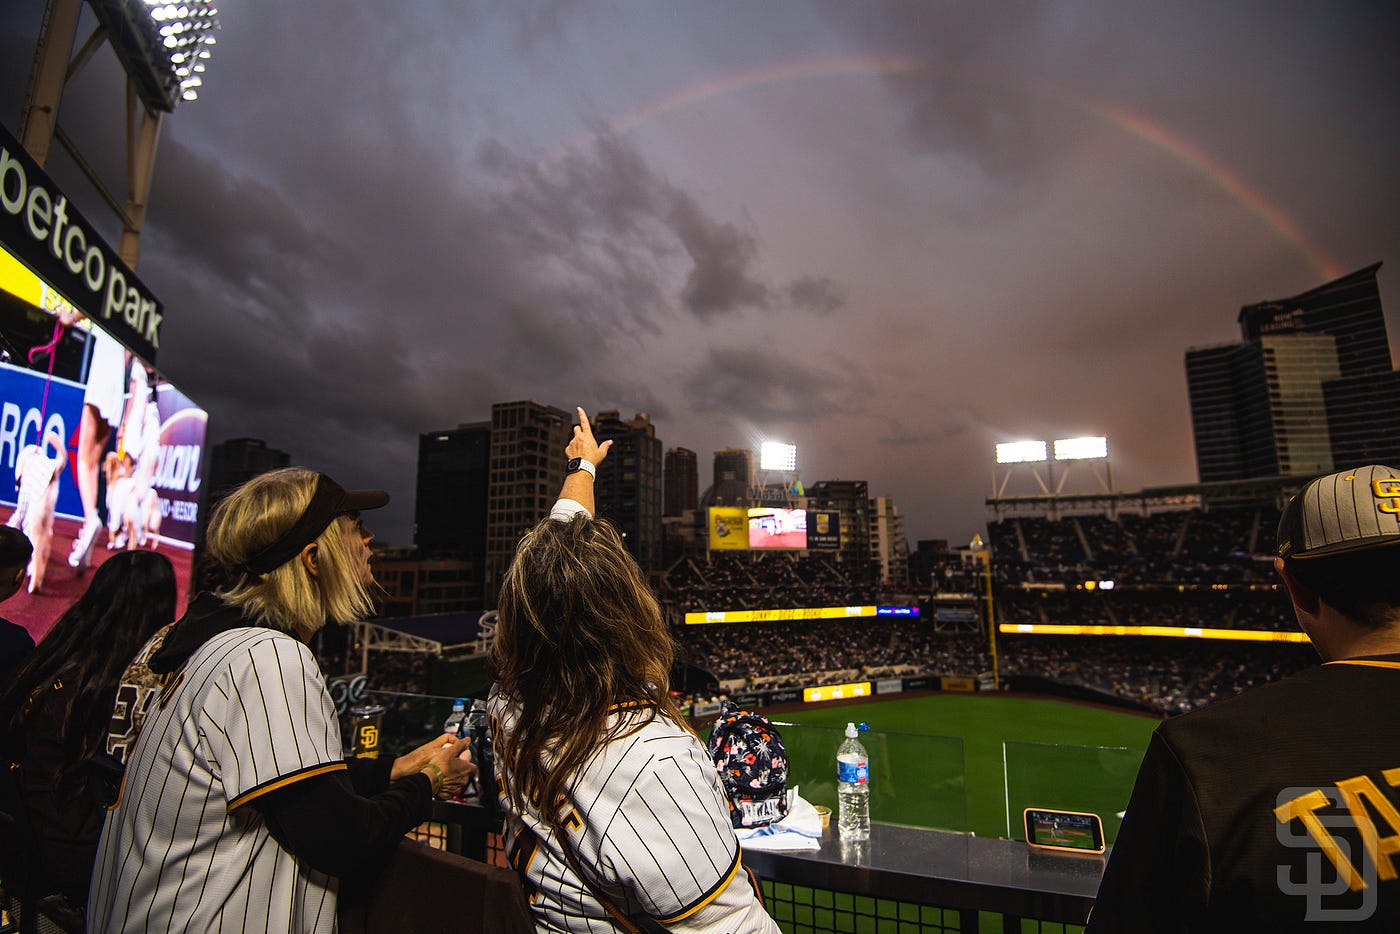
[[1136, 125]]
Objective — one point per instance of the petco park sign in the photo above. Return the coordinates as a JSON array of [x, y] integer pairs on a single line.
[[40, 227]]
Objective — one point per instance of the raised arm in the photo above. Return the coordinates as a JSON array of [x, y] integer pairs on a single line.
[[578, 483]]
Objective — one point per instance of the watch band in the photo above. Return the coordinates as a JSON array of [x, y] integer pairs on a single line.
[[579, 463]]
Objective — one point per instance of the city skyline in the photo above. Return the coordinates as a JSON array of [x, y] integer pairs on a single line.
[[894, 236]]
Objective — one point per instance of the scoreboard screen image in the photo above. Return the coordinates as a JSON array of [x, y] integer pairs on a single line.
[[777, 528]]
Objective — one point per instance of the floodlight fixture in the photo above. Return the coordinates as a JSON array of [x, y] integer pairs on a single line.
[[1021, 452], [153, 39], [1081, 449], [776, 455]]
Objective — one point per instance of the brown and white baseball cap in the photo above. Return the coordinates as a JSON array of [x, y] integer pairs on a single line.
[[1343, 511]]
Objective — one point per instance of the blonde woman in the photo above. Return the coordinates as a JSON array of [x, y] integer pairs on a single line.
[[237, 810], [635, 835]]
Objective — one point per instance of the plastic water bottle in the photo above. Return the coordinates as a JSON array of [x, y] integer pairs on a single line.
[[456, 722], [852, 788]]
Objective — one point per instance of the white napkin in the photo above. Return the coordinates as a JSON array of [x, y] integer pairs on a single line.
[[799, 830]]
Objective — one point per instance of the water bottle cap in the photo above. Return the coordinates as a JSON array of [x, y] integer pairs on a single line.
[[850, 731], [460, 702]]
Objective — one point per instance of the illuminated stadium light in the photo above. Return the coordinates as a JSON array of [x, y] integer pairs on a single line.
[[1021, 452], [775, 455], [158, 42], [1081, 449]]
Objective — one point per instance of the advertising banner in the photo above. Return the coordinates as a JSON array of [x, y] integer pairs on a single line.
[[824, 530], [729, 529], [889, 686], [828, 692], [48, 234]]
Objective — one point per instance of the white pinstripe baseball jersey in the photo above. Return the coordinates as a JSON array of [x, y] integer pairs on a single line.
[[648, 821], [182, 850]]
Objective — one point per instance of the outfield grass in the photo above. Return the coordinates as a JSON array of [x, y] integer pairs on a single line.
[[930, 754]]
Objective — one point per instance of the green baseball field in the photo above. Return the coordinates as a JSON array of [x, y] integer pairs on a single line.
[[964, 762]]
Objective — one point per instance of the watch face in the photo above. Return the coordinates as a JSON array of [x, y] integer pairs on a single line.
[[573, 463]]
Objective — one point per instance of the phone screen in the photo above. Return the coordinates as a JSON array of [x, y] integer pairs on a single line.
[[1064, 830]]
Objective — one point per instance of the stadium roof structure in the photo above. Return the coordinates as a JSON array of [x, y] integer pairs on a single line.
[[1257, 491], [434, 633]]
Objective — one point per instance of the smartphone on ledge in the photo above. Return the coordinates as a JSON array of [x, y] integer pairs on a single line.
[[1064, 831]]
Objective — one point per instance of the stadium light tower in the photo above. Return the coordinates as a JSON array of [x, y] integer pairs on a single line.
[[779, 457], [1093, 450], [776, 455], [984, 554], [1014, 455], [164, 48]]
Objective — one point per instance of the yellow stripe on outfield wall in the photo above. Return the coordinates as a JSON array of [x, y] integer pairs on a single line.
[[768, 616], [1178, 632]]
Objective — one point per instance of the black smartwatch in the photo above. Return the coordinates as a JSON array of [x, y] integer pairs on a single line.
[[578, 463]]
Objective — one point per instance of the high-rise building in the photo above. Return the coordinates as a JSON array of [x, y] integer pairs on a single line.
[[526, 471], [889, 548], [628, 488], [238, 460], [850, 498], [682, 489], [1310, 388], [733, 478], [449, 514]]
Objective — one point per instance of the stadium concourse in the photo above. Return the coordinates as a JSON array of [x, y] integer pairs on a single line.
[[1184, 568]]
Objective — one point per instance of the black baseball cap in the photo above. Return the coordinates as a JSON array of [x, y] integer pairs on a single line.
[[330, 501], [1344, 511]]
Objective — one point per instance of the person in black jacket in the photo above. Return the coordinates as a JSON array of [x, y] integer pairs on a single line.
[[1279, 809], [55, 713], [15, 641]]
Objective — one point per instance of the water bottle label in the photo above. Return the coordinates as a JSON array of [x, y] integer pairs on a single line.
[[853, 773]]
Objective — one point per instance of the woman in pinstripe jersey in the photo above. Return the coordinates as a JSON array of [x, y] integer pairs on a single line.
[[615, 816], [238, 810]]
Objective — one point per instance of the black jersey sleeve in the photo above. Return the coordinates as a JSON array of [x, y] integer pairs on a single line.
[[1158, 874]]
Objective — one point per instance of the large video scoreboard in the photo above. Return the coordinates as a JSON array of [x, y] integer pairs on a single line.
[[82, 406]]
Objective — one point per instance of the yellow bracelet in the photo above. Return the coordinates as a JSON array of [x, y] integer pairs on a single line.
[[437, 782]]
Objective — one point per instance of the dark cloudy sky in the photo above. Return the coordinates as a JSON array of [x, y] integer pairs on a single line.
[[893, 233]]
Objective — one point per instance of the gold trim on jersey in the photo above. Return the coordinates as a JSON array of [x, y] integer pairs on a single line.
[[284, 782], [1369, 663], [631, 704], [711, 895]]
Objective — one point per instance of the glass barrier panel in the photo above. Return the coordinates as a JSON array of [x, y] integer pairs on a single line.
[[914, 779], [1057, 776]]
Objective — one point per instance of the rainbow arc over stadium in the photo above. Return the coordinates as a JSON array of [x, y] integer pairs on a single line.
[[1136, 125]]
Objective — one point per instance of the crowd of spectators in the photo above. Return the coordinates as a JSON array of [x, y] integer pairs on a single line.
[[745, 581], [1191, 546], [1170, 676], [1238, 607], [1186, 568], [772, 655]]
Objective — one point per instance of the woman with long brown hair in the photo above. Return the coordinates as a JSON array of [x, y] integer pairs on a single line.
[[636, 835], [55, 715]]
